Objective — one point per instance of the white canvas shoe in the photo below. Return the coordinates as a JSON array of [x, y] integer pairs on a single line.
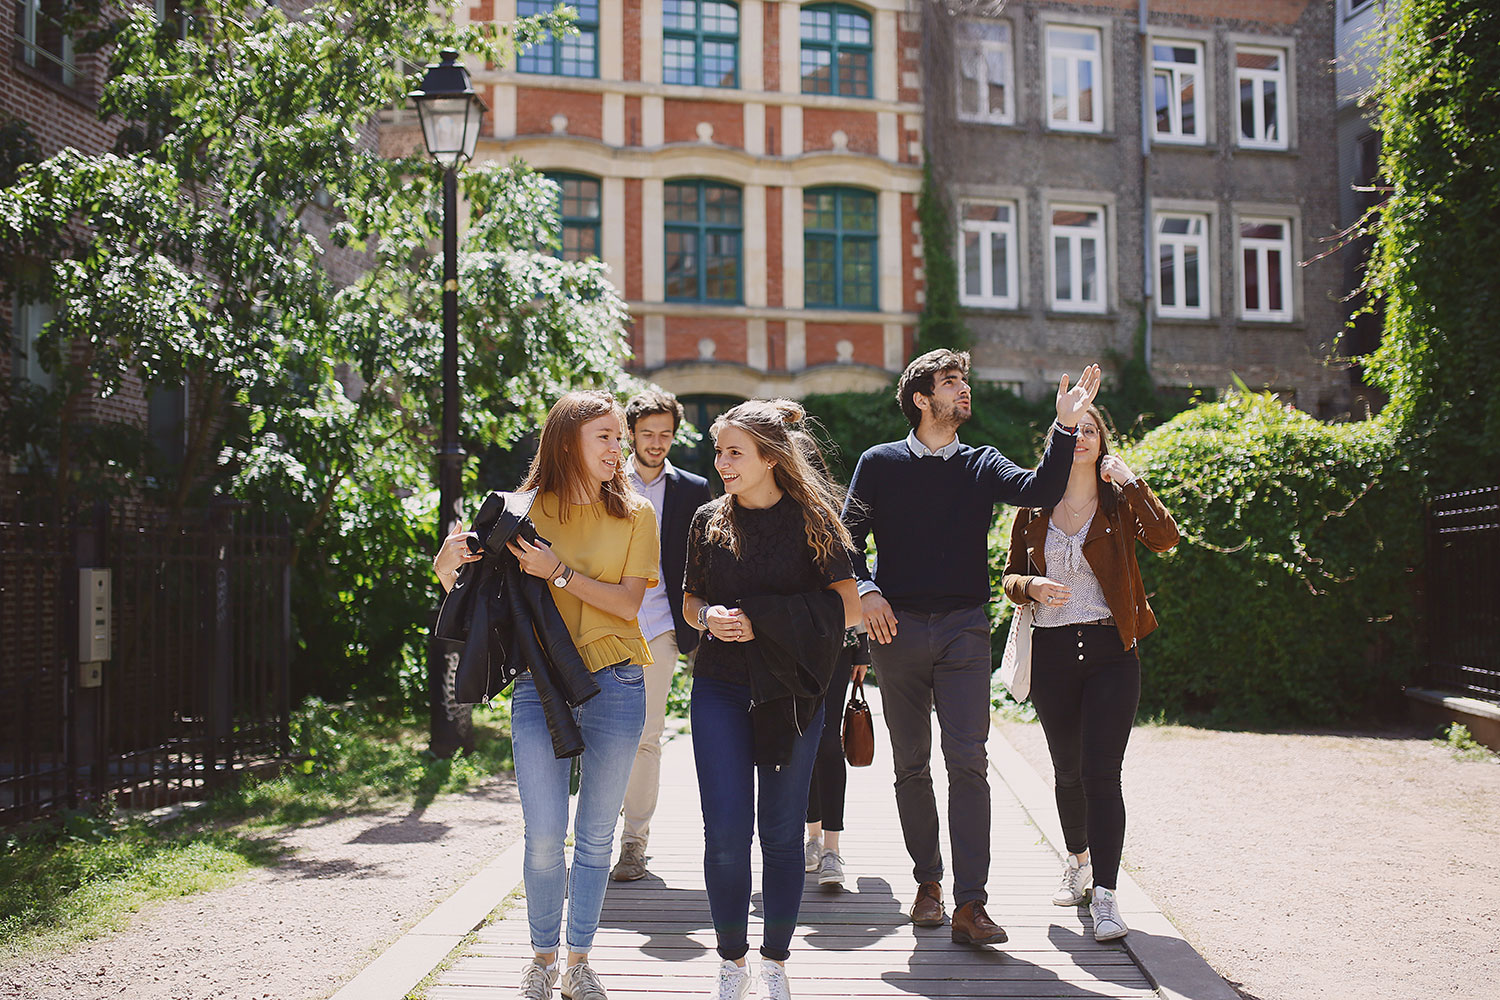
[[773, 981], [1108, 924], [1077, 880], [734, 981]]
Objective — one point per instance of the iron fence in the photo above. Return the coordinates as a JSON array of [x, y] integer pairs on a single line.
[[196, 685], [1463, 593]]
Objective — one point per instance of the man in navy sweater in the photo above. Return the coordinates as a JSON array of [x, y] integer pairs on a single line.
[[929, 501]]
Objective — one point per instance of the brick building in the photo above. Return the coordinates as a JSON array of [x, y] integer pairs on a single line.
[[748, 171], [1167, 167]]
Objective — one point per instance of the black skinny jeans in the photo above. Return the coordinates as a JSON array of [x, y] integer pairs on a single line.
[[1085, 689], [825, 796]]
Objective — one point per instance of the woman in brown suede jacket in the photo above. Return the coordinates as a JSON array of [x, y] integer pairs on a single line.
[[1076, 565]]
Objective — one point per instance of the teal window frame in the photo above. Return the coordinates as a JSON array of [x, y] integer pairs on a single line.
[[708, 236], [834, 243], [561, 56], [702, 42], [572, 221], [834, 43]]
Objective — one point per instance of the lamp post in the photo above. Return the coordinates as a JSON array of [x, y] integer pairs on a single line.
[[450, 113]]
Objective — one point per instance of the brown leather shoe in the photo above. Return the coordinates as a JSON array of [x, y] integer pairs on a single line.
[[927, 911], [971, 925]]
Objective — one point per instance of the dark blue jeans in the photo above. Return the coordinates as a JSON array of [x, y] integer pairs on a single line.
[[723, 749]]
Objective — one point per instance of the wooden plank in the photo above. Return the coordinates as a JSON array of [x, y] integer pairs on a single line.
[[656, 940]]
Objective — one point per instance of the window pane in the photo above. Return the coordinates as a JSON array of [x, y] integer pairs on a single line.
[[1268, 98], [1190, 278], [1085, 90], [859, 212], [1252, 281], [578, 55], [679, 15], [987, 213], [970, 66], [1062, 268], [1262, 230], [678, 61], [680, 202], [999, 266], [720, 18], [1167, 258], [1059, 89], [818, 261], [719, 64], [722, 266], [721, 205], [1161, 89], [817, 71], [1174, 225], [995, 71], [818, 210], [854, 29], [1247, 109], [1258, 60], [1074, 217], [1273, 280], [682, 265], [1089, 265], [859, 273], [1187, 98], [1071, 38], [817, 25], [854, 74], [972, 265]]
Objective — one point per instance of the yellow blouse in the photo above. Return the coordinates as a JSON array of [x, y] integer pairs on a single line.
[[607, 549]]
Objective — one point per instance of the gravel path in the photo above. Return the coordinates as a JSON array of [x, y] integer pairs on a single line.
[[1303, 867], [347, 887]]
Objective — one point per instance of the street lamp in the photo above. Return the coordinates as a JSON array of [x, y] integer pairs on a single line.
[[450, 113]]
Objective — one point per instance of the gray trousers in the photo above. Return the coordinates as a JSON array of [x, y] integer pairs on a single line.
[[940, 660]]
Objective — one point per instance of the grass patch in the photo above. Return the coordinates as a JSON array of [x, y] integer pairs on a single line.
[[84, 874]]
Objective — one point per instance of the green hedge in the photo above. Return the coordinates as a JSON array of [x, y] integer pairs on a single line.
[[1291, 597]]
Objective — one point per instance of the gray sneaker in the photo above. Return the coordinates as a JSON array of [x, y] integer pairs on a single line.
[[580, 983], [812, 854], [632, 863], [831, 869], [537, 981], [1077, 881]]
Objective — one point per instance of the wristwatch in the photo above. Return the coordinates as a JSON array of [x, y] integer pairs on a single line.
[[703, 618], [561, 580]]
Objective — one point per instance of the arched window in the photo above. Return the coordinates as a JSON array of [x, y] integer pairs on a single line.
[[840, 241], [579, 210], [704, 236], [837, 50], [700, 43], [573, 55]]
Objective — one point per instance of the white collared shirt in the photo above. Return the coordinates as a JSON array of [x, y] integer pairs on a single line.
[[920, 450], [655, 616]]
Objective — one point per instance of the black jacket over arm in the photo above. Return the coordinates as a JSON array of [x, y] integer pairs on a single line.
[[684, 495], [798, 637]]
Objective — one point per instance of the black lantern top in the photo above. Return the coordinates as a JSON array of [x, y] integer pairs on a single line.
[[450, 111]]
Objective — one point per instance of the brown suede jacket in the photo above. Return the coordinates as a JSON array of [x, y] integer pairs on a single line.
[[1108, 550]]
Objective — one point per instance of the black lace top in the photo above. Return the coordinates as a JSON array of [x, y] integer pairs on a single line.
[[774, 559]]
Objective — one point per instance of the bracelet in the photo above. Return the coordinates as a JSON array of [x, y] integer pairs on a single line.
[[703, 618]]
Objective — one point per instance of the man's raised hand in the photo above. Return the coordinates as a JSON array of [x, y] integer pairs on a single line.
[[1072, 403]]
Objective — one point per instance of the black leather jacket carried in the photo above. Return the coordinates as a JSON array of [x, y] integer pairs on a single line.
[[498, 621]]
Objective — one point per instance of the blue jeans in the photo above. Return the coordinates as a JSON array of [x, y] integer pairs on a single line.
[[723, 750], [611, 722]]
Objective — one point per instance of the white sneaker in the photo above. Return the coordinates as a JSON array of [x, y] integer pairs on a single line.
[[831, 869], [1108, 924], [773, 983], [812, 854], [537, 981], [734, 981], [579, 982], [1076, 881]]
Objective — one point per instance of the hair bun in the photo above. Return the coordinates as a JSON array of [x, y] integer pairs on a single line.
[[790, 410]]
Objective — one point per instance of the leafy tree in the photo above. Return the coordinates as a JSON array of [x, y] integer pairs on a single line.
[[1438, 235], [202, 252], [940, 324]]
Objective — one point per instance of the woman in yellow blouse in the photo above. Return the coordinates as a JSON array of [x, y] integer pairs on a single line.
[[600, 558]]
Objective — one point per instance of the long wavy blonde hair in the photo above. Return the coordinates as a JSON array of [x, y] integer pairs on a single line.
[[770, 423]]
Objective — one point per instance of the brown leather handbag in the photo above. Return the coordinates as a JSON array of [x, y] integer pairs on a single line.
[[859, 729]]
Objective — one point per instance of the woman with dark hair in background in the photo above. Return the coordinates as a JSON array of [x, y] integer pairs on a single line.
[[825, 795], [1077, 564], [769, 581], [601, 559]]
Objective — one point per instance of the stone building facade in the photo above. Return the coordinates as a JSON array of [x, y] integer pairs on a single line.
[[1163, 170], [749, 171]]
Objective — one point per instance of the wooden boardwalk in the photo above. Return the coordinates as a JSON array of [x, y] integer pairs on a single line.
[[656, 939]]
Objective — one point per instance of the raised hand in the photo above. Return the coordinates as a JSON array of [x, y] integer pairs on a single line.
[[1113, 470], [1073, 403]]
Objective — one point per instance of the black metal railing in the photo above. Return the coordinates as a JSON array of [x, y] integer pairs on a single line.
[[195, 688], [1463, 593]]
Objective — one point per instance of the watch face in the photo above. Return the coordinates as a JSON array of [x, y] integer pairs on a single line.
[[561, 581]]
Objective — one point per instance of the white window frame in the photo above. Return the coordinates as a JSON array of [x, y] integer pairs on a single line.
[[1075, 236], [1176, 70], [30, 318], [1262, 248], [988, 230], [1073, 58], [1258, 79], [979, 50], [1179, 243]]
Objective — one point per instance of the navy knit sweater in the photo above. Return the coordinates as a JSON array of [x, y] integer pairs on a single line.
[[931, 517]]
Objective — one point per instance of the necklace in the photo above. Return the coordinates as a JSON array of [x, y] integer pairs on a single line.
[[1078, 513]]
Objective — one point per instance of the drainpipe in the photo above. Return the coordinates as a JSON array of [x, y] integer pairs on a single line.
[[1147, 229]]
